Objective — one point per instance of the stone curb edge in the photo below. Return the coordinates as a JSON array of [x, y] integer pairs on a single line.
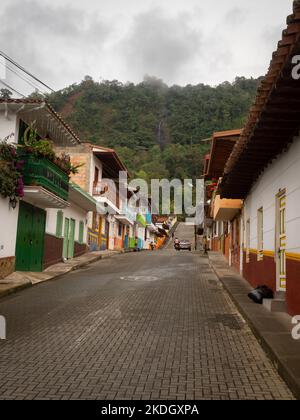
[[278, 363], [20, 287]]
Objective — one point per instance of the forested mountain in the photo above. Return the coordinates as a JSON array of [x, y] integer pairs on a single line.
[[156, 129]]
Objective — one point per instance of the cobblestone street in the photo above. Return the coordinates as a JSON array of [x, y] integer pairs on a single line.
[[139, 326]]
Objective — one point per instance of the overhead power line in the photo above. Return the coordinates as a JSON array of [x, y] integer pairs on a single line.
[[11, 88], [22, 77], [24, 70]]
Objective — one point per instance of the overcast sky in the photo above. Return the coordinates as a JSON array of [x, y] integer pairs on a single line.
[[180, 41]]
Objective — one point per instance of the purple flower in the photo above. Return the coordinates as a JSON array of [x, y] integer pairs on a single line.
[[20, 165], [20, 188]]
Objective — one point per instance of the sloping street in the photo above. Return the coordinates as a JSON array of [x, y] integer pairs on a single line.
[[152, 325]]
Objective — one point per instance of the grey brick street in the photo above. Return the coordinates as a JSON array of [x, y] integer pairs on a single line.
[[149, 325]]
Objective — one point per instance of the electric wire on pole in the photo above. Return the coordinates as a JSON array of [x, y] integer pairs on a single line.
[[22, 69]]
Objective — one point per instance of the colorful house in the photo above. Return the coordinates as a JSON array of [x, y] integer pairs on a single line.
[[110, 227], [67, 229], [34, 233], [263, 171], [219, 213]]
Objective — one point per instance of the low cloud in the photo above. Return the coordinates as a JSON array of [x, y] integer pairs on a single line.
[[178, 41], [235, 16], [161, 45], [55, 42]]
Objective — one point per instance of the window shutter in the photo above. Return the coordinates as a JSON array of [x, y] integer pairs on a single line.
[[81, 232], [59, 224]]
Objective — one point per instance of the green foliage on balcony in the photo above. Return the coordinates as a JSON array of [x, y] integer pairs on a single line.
[[41, 172]]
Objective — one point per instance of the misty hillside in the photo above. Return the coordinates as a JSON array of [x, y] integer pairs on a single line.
[[156, 129]]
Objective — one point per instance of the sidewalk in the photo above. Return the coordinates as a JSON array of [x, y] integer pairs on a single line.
[[273, 330], [21, 280]]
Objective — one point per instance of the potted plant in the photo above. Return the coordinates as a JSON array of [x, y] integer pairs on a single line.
[[43, 148]]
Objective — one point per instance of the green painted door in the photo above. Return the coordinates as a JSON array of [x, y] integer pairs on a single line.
[[38, 240], [23, 237], [30, 238], [71, 239], [66, 238]]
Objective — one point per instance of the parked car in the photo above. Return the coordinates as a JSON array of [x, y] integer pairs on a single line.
[[185, 245]]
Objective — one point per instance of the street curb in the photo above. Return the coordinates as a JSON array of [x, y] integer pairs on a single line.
[[15, 289], [279, 364], [20, 287]]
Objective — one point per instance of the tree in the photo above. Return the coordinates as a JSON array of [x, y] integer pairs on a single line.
[[156, 129], [36, 95], [5, 93]]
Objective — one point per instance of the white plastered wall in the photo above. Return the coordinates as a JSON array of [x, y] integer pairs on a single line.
[[8, 125], [283, 173], [8, 216], [95, 163], [8, 228], [73, 212]]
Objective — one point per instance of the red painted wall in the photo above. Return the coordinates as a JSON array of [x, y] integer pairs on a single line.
[[264, 272], [80, 249], [227, 246], [53, 250], [293, 287], [260, 272], [235, 245]]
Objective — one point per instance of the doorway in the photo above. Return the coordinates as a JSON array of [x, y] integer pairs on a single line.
[[69, 239], [30, 238], [107, 233], [281, 241]]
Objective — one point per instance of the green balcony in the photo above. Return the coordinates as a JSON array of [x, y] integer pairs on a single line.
[[43, 173]]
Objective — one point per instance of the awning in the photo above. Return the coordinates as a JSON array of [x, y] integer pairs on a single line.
[[152, 228], [105, 206], [47, 120], [112, 163], [40, 197], [124, 219], [81, 198], [222, 145], [162, 231], [226, 209]]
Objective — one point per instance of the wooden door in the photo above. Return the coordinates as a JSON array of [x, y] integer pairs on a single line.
[[107, 233], [30, 238], [38, 239]]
